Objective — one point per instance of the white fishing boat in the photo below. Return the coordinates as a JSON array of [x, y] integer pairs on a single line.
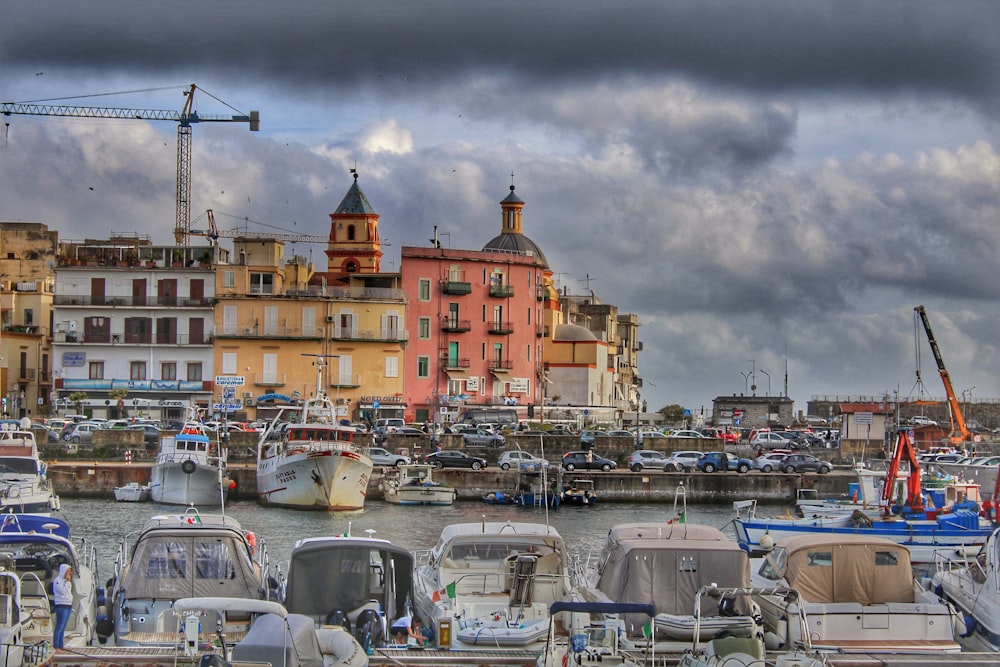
[[24, 484], [133, 492], [414, 484], [857, 594], [360, 583], [665, 565], [971, 584], [490, 584], [181, 556], [314, 462], [190, 469], [32, 549]]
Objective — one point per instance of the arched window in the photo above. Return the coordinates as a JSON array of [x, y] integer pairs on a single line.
[[351, 267], [350, 232]]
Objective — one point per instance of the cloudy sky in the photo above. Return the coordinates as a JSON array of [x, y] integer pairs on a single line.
[[769, 185]]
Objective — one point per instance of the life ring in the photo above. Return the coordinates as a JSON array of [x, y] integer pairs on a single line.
[[188, 467]]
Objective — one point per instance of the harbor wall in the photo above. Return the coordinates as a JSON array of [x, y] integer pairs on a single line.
[[98, 479]]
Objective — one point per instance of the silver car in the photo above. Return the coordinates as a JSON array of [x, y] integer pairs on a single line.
[[383, 457]]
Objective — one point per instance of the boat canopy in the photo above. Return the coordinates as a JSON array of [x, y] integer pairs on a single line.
[[179, 563], [666, 564], [844, 568], [327, 574]]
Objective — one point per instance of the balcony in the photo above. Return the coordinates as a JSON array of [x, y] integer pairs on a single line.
[[501, 291], [455, 287], [144, 301], [500, 365], [501, 328], [455, 325], [449, 361], [346, 381], [386, 334], [269, 380]]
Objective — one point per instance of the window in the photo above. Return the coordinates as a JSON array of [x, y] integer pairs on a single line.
[[168, 370], [229, 363], [424, 290], [392, 367], [350, 232], [347, 324], [138, 330], [890, 558], [137, 370], [424, 328], [261, 283], [95, 370], [309, 321], [423, 367], [229, 314], [229, 279], [194, 371], [270, 320]]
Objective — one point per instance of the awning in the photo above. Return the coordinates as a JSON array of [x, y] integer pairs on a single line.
[[456, 374], [501, 374]]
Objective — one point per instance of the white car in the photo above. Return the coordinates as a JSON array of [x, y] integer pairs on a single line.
[[921, 420], [687, 433], [688, 458], [770, 462], [516, 457], [770, 440]]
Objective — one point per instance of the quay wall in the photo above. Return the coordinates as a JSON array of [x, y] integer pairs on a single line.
[[97, 479]]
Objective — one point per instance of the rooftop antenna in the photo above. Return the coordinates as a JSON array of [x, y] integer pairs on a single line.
[[435, 242]]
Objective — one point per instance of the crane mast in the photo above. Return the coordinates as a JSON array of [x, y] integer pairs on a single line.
[[959, 432], [185, 119]]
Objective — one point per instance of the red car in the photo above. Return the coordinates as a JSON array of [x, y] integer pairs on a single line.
[[725, 436]]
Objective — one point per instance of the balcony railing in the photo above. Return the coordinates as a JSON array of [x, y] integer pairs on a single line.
[[388, 334], [455, 362], [269, 380], [261, 331], [454, 325], [99, 338], [502, 291], [501, 328], [500, 364], [346, 381], [455, 284], [129, 301]]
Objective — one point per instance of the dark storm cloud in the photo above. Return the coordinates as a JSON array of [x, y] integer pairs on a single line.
[[938, 46]]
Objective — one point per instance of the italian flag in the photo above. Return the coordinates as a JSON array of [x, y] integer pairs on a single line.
[[448, 591]]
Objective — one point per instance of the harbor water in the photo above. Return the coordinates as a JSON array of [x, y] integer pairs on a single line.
[[104, 522]]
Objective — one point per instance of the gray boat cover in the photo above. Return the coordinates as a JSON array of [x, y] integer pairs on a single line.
[[283, 642], [665, 564]]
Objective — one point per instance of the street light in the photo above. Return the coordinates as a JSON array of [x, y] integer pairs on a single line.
[[768, 381], [746, 379], [753, 375]]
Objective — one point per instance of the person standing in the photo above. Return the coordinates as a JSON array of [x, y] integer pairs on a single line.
[[62, 599]]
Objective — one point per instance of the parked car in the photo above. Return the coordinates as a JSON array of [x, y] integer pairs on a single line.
[[725, 436], [482, 437], [381, 456], [805, 463], [686, 433], [409, 430], [518, 458], [647, 458], [453, 458], [770, 462], [82, 432], [150, 433], [770, 440], [687, 458], [921, 420], [587, 461], [587, 437], [712, 461]]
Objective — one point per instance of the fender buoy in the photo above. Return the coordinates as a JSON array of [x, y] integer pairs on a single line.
[[188, 467], [252, 542], [854, 496]]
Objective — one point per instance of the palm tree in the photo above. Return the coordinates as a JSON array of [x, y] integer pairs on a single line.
[[119, 395], [77, 398]]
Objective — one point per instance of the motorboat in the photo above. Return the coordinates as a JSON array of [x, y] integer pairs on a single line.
[[362, 584], [729, 651], [413, 484], [857, 593], [178, 556], [133, 492], [665, 565], [24, 484], [32, 547], [490, 584], [580, 492], [314, 462], [593, 637], [535, 485], [971, 584], [269, 634], [190, 469]]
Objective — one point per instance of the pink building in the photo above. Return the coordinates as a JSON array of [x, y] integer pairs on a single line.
[[476, 320]]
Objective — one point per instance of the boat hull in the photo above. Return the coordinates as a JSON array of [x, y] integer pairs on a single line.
[[132, 493], [186, 483], [421, 496], [316, 480]]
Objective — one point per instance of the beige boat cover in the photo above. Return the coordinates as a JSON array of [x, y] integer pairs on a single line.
[[845, 568]]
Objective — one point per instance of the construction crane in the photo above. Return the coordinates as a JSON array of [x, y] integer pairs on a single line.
[[185, 118], [959, 432], [215, 233]]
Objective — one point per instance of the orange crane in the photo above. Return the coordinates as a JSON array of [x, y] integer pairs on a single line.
[[185, 119], [959, 432], [914, 498]]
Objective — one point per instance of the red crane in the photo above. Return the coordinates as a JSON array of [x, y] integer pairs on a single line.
[[914, 498]]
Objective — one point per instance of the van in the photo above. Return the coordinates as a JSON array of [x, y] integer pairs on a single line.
[[388, 425], [496, 417]]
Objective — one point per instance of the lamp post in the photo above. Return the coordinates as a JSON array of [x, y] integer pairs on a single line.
[[746, 378], [753, 376], [638, 430], [768, 381]]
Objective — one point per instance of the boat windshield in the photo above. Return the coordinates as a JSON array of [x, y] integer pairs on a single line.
[[21, 466], [480, 551]]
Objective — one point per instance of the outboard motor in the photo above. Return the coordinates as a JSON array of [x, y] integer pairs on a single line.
[[338, 617], [369, 629]]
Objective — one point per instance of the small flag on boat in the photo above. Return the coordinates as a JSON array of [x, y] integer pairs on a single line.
[[447, 591], [647, 630], [678, 519]]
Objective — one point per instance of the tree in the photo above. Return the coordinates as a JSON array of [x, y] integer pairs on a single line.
[[77, 398], [119, 395], [672, 414]]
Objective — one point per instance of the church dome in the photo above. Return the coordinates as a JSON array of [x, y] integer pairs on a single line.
[[573, 332], [516, 243]]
